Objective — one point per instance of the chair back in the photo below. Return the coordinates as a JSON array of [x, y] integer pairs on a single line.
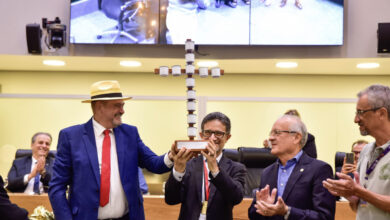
[[255, 160], [28, 152], [112, 8]]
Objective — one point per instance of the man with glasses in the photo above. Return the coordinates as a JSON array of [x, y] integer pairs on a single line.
[[369, 192], [291, 188], [357, 147], [210, 185], [31, 174]]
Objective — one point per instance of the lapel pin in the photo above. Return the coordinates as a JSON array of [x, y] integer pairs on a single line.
[[301, 170]]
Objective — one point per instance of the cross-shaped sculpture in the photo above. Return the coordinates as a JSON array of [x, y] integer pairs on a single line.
[[190, 71]]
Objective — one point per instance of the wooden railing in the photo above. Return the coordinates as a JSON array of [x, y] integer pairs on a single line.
[[155, 207]]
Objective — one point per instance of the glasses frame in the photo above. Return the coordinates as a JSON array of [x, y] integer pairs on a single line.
[[277, 132], [360, 112], [213, 132]]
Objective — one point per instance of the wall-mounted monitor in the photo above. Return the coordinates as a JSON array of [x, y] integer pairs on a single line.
[[207, 22]]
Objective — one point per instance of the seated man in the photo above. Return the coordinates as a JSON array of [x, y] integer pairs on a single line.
[[9, 211], [210, 185], [357, 147], [291, 188], [31, 174]]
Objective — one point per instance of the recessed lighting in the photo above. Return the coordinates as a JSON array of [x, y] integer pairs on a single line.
[[130, 63], [207, 63], [286, 64], [54, 62], [367, 65]]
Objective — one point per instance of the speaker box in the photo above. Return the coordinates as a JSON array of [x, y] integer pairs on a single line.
[[383, 37], [34, 35]]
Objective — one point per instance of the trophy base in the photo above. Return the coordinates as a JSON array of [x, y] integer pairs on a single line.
[[195, 146]]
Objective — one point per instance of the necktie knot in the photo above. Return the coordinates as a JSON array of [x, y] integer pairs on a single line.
[[106, 132]]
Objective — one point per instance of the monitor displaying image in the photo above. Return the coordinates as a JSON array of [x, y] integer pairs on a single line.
[[207, 22]]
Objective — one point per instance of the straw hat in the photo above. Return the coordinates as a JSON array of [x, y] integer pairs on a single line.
[[106, 90]]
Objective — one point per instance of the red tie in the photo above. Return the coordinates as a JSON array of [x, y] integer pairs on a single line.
[[105, 174]]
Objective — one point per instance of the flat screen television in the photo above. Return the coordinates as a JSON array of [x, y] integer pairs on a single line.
[[207, 22]]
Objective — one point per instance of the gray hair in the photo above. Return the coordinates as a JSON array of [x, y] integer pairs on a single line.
[[34, 137], [297, 126], [378, 96]]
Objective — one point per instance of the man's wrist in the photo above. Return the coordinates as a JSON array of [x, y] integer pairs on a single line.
[[287, 212]]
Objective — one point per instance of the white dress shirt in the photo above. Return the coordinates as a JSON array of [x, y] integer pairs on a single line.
[[30, 184], [117, 205]]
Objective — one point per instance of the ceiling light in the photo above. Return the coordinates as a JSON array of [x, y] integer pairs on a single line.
[[207, 63], [129, 63], [286, 64], [54, 62], [367, 65]]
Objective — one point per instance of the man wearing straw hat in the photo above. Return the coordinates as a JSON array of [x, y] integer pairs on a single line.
[[99, 162]]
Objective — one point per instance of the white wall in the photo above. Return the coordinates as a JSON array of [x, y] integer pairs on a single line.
[[360, 40]]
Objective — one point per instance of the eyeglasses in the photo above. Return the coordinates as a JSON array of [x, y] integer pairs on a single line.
[[360, 112], [218, 134], [279, 132]]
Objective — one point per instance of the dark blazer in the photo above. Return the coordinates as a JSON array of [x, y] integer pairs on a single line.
[[21, 167], [9, 211], [310, 146], [77, 166], [226, 190], [304, 192]]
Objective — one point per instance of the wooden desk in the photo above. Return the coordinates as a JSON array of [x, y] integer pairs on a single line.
[[30, 202], [156, 208]]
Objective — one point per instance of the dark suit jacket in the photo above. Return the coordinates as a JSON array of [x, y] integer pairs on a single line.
[[77, 166], [21, 167], [9, 211], [304, 192], [226, 190], [310, 146]]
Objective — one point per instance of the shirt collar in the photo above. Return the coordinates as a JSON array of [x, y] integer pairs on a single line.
[[34, 161], [98, 128], [295, 159]]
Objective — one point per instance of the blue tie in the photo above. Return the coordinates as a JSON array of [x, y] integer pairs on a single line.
[[36, 184]]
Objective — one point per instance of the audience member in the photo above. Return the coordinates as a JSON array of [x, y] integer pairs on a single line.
[[310, 146], [31, 174], [369, 194], [99, 162], [9, 211], [291, 188], [357, 147], [210, 185]]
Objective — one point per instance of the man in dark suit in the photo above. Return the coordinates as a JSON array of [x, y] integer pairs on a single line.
[[210, 185], [99, 162], [31, 174], [310, 146], [9, 211], [291, 188]]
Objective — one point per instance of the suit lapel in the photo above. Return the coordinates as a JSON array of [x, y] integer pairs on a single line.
[[28, 165], [296, 174], [199, 176], [273, 176], [90, 146], [120, 150], [223, 164]]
